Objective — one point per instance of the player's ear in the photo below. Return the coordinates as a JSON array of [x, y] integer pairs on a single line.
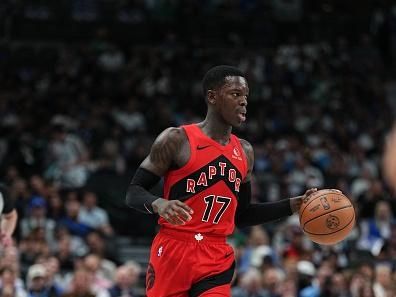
[[211, 97]]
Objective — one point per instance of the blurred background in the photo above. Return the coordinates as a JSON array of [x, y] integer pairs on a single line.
[[86, 85]]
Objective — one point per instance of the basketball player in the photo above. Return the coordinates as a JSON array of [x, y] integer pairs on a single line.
[[9, 217], [207, 172]]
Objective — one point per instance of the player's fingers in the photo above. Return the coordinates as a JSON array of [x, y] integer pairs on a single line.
[[311, 191], [185, 207], [174, 216], [336, 190], [171, 219], [171, 212], [179, 211], [176, 220], [179, 221], [182, 209], [183, 214]]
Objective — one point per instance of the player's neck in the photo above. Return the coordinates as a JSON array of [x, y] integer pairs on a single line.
[[216, 129]]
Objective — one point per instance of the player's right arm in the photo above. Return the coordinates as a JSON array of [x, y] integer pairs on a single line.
[[162, 156]]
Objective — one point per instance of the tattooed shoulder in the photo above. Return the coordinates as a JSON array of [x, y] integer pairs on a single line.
[[166, 147]]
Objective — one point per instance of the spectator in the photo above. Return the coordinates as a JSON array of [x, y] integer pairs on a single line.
[[55, 279], [306, 273], [8, 284], [383, 280], [32, 247], [250, 285], [321, 285], [93, 216], [36, 218], [296, 247], [55, 206], [257, 249], [375, 231], [126, 278], [67, 157], [66, 252], [37, 283], [130, 117], [272, 281], [93, 264], [339, 285], [112, 59], [80, 285], [71, 219]]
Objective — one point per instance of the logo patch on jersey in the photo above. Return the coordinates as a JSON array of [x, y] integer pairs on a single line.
[[201, 147], [198, 237], [150, 276], [236, 154]]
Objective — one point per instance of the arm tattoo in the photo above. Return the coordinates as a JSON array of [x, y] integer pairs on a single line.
[[165, 148]]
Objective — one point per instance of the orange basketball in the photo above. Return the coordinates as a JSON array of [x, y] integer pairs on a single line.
[[327, 216]]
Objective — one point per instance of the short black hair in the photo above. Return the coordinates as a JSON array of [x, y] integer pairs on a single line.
[[215, 77]]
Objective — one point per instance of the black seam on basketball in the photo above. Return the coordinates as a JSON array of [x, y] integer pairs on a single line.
[[323, 214], [309, 202], [353, 218]]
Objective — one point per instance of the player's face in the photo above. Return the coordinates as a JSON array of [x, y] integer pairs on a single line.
[[232, 100]]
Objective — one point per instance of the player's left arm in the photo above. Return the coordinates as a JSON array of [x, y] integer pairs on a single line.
[[248, 214], [9, 218], [8, 224]]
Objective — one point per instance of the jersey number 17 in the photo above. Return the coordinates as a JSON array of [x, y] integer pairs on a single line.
[[210, 200]]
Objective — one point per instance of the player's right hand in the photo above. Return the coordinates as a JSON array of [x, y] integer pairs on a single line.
[[174, 212]]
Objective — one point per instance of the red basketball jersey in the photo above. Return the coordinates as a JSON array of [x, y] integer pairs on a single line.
[[209, 183]]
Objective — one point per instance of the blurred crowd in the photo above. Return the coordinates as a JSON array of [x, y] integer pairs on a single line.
[[208, 23], [77, 119]]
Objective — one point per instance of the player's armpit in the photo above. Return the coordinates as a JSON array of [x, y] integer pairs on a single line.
[[163, 151]]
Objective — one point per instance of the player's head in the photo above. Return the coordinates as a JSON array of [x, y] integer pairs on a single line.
[[226, 91]]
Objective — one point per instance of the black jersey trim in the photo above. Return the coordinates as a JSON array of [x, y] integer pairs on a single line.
[[212, 281], [178, 190]]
